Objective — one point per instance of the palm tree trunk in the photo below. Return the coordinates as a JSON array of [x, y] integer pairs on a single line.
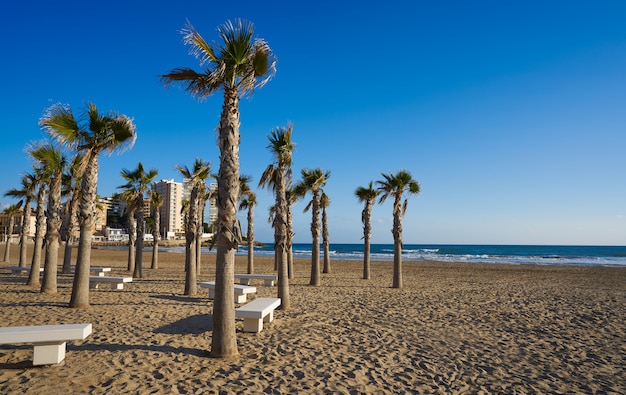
[[8, 234], [86, 221], [281, 229], [33, 276], [71, 226], [138, 270], [290, 235], [315, 245], [224, 339], [24, 234], [251, 239], [191, 245], [155, 242], [325, 242], [132, 232], [397, 243], [367, 233], [53, 224]]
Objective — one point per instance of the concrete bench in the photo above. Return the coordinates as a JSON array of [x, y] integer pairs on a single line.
[[257, 311], [20, 269], [49, 340], [268, 279], [116, 282], [97, 270], [241, 291]]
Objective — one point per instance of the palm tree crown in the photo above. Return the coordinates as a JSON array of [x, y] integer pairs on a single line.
[[241, 62]]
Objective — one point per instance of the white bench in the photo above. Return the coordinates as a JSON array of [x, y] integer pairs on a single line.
[[268, 279], [240, 291], [19, 269], [49, 340], [97, 270], [116, 282], [257, 311]]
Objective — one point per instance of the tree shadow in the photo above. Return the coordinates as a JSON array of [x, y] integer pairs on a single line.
[[193, 325]]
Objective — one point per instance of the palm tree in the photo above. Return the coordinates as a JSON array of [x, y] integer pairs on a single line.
[[12, 211], [313, 181], [248, 201], [27, 194], [325, 202], [138, 181], [237, 66], [396, 185], [156, 201], [72, 180], [278, 176], [53, 163], [98, 133], [368, 196], [196, 180]]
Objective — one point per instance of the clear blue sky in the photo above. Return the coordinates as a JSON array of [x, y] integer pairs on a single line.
[[512, 115]]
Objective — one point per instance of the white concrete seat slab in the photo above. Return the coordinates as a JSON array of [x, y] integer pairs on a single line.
[[241, 291], [49, 340], [20, 269], [268, 279], [116, 282], [97, 270], [257, 311]]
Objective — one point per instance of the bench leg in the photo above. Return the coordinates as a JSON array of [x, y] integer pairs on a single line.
[[269, 283], [252, 325], [93, 285], [211, 293], [240, 298], [48, 353], [117, 286], [244, 281], [100, 274], [270, 317]]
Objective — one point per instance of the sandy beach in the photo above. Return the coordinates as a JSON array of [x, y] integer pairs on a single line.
[[453, 329]]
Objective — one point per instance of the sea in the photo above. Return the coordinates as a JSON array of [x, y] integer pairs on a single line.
[[498, 254]]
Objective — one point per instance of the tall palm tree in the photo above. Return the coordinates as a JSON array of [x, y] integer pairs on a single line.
[[40, 228], [397, 185], [26, 194], [237, 66], [325, 202], [368, 196], [138, 181], [156, 201], [12, 211], [53, 163], [277, 176], [196, 178], [248, 201], [72, 179], [313, 180], [96, 134]]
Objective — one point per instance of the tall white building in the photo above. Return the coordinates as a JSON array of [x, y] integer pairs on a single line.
[[171, 217]]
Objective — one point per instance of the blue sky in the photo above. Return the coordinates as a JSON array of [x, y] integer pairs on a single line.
[[510, 114]]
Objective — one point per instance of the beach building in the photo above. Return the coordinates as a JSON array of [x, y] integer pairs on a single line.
[[17, 226], [171, 216]]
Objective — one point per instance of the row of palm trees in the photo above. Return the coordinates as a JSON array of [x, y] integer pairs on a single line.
[[55, 174], [236, 66]]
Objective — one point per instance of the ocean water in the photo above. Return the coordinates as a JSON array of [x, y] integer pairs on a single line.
[[502, 254]]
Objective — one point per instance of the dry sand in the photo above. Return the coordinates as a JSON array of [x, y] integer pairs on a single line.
[[454, 328]]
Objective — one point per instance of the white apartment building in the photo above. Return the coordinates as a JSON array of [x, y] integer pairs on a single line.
[[171, 217]]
